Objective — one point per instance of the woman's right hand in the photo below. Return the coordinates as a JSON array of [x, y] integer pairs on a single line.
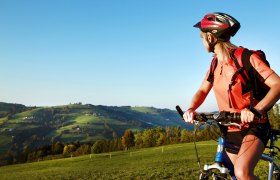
[[188, 116]]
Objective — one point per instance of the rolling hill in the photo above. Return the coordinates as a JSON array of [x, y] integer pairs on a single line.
[[24, 127]]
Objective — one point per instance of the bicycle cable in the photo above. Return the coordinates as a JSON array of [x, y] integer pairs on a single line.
[[194, 140]]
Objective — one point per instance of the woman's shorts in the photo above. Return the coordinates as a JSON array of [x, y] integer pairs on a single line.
[[234, 139]]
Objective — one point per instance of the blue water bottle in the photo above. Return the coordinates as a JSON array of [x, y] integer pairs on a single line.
[[220, 149]]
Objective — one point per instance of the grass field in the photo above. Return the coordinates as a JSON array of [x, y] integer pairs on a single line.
[[167, 162]]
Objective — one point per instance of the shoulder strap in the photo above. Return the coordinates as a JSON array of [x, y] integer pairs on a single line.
[[213, 66], [245, 57], [236, 55]]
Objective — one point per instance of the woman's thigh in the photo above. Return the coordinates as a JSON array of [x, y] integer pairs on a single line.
[[249, 154]]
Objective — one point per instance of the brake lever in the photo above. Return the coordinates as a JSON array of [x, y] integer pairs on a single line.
[[230, 124]]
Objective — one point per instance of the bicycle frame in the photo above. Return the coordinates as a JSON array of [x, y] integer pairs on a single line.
[[269, 157], [224, 166], [222, 163]]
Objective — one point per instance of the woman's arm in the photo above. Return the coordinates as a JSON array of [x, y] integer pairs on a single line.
[[197, 100], [272, 80], [273, 95], [200, 95]]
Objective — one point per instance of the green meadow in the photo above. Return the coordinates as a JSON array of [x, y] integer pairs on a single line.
[[165, 162]]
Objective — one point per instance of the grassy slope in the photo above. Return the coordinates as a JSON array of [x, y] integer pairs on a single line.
[[175, 162], [86, 123]]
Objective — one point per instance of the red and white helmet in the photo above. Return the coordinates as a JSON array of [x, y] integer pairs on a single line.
[[221, 25]]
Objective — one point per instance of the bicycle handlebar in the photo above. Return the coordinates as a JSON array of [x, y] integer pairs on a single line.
[[222, 116]]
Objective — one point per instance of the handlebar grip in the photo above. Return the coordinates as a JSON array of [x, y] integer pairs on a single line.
[[198, 117], [233, 117], [179, 110], [236, 117]]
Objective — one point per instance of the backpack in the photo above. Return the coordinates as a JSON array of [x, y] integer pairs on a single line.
[[254, 82]]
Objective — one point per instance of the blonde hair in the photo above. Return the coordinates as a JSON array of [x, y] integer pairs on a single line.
[[226, 47]]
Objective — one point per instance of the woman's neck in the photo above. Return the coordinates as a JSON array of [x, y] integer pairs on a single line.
[[220, 54]]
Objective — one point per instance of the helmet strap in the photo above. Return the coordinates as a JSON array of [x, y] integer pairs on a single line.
[[211, 44]]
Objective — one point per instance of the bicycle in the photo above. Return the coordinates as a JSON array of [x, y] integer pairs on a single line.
[[222, 168]]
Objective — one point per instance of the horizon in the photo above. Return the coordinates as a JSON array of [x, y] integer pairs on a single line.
[[83, 104]]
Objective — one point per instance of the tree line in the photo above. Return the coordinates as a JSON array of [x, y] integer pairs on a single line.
[[130, 140]]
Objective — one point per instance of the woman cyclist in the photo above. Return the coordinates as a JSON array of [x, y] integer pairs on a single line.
[[216, 29]]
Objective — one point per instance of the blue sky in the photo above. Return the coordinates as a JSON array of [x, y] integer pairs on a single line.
[[119, 52]]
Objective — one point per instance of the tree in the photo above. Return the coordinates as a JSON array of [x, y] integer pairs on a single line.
[[99, 147], [186, 136], [149, 138], [69, 149], [138, 139], [159, 135], [162, 139], [128, 139], [116, 144], [274, 117], [168, 134], [57, 148], [83, 149], [176, 134]]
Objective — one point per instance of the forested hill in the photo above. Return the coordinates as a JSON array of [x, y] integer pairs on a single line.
[[24, 127], [9, 109]]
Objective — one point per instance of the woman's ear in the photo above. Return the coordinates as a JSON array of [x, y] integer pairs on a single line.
[[211, 38]]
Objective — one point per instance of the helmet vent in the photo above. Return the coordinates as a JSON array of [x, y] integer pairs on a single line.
[[210, 18], [220, 20]]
